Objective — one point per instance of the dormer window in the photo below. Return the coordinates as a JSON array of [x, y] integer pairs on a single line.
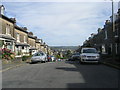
[[8, 30]]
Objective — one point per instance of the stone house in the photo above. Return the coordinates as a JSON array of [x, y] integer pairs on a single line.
[[38, 45], [21, 45], [117, 34], [17, 38], [32, 43], [107, 40], [7, 39]]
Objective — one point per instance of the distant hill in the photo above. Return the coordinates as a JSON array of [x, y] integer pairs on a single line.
[[64, 47]]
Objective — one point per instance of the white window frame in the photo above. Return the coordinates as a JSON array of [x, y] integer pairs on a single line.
[[8, 30], [25, 39], [106, 37], [18, 37]]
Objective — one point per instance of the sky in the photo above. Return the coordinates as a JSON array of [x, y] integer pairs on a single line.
[[60, 23]]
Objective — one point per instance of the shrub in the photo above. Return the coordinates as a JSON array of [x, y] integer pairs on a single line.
[[7, 54]]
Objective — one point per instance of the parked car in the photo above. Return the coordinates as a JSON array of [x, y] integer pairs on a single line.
[[89, 55], [51, 58], [75, 56], [39, 57]]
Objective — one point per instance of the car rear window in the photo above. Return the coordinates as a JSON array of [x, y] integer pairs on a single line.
[[38, 54]]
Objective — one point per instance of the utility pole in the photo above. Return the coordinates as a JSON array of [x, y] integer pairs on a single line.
[[113, 25]]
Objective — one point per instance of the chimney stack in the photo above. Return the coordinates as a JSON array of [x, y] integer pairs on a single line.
[[2, 9], [25, 28], [99, 30], [107, 22], [13, 19], [30, 33]]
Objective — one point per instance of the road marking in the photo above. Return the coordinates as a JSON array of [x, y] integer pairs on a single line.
[[11, 67]]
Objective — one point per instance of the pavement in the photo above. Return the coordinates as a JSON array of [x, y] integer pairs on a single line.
[[12, 64], [111, 62]]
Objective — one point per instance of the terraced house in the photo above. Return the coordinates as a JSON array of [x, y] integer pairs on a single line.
[[18, 39], [21, 45], [7, 39], [38, 45], [32, 43], [107, 40]]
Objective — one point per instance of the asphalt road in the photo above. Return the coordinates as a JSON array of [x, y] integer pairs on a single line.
[[62, 74]]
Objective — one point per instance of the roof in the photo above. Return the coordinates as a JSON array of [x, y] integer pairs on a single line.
[[6, 37], [32, 48], [37, 41], [6, 18], [21, 29], [30, 36], [21, 44]]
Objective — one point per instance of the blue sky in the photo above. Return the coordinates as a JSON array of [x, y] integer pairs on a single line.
[[60, 23]]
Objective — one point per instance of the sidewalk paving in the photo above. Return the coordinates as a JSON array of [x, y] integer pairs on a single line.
[[15, 63], [111, 62]]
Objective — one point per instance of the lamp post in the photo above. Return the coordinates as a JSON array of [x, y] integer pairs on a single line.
[[113, 25]]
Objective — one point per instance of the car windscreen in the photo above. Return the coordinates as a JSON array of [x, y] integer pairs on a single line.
[[38, 54], [89, 51]]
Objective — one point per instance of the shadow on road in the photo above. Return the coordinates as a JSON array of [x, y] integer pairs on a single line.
[[94, 75]]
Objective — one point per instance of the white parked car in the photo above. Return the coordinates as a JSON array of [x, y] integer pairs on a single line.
[[39, 57], [89, 55]]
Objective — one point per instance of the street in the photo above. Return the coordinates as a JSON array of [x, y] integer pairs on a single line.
[[61, 74]]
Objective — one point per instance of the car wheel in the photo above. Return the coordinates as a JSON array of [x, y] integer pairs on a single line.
[[81, 62]]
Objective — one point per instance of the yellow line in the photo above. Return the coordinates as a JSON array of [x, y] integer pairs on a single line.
[[10, 68]]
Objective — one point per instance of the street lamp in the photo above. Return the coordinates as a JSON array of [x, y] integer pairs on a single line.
[[113, 26]]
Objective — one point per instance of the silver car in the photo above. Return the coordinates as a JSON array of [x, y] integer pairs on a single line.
[[89, 55], [39, 57]]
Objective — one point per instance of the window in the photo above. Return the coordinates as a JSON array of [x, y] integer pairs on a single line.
[[89, 51], [8, 29], [106, 37], [116, 32], [22, 47], [24, 39], [18, 37]]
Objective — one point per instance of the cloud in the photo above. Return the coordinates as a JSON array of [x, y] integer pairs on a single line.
[[59, 1], [62, 23]]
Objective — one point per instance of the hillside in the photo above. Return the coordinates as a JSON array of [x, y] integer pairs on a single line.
[[64, 47]]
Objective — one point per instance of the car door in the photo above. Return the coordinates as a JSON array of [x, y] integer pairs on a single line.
[[42, 56]]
